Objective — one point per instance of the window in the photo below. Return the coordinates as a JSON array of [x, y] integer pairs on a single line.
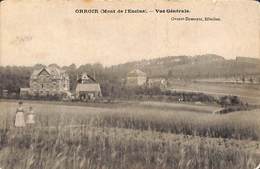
[[42, 85]]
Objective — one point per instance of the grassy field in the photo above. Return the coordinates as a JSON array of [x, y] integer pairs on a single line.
[[144, 135]]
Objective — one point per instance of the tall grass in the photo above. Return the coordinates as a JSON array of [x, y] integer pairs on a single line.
[[238, 125], [132, 137], [99, 148]]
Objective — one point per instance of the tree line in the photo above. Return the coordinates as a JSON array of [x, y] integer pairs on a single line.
[[12, 78], [112, 78]]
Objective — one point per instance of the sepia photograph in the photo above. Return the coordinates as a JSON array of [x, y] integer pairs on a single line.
[[112, 84]]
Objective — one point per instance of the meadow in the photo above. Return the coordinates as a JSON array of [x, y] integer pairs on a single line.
[[247, 92], [137, 135]]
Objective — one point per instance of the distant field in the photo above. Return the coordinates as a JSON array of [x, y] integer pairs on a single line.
[[76, 114], [248, 92], [138, 135], [163, 117]]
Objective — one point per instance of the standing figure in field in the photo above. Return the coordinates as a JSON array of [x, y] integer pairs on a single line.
[[30, 120], [19, 117]]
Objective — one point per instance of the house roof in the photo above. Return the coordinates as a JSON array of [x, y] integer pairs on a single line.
[[89, 87], [36, 72], [136, 72], [85, 78], [52, 70]]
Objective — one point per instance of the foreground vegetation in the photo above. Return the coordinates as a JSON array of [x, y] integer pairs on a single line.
[[131, 136], [89, 147]]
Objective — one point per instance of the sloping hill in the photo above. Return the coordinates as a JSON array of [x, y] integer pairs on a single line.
[[200, 66]]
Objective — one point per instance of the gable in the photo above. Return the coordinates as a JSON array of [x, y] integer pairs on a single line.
[[43, 72], [54, 73], [85, 78]]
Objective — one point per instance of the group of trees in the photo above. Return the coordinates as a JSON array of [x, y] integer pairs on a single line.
[[12, 78]]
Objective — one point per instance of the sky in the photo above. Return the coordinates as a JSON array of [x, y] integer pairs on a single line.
[[49, 31]]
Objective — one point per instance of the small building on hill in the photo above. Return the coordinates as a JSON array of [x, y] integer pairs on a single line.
[[87, 88], [159, 82], [49, 81], [136, 78]]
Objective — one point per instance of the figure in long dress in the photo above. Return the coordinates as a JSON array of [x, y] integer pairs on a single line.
[[19, 117], [30, 120]]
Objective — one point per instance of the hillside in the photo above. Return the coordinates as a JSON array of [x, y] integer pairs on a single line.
[[200, 66]]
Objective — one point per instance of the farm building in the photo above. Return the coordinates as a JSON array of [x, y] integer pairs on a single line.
[[49, 81], [157, 82], [136, 78], [87, 88]]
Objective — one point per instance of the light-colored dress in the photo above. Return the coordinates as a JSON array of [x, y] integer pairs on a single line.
[[30, 118], [19, 118]]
